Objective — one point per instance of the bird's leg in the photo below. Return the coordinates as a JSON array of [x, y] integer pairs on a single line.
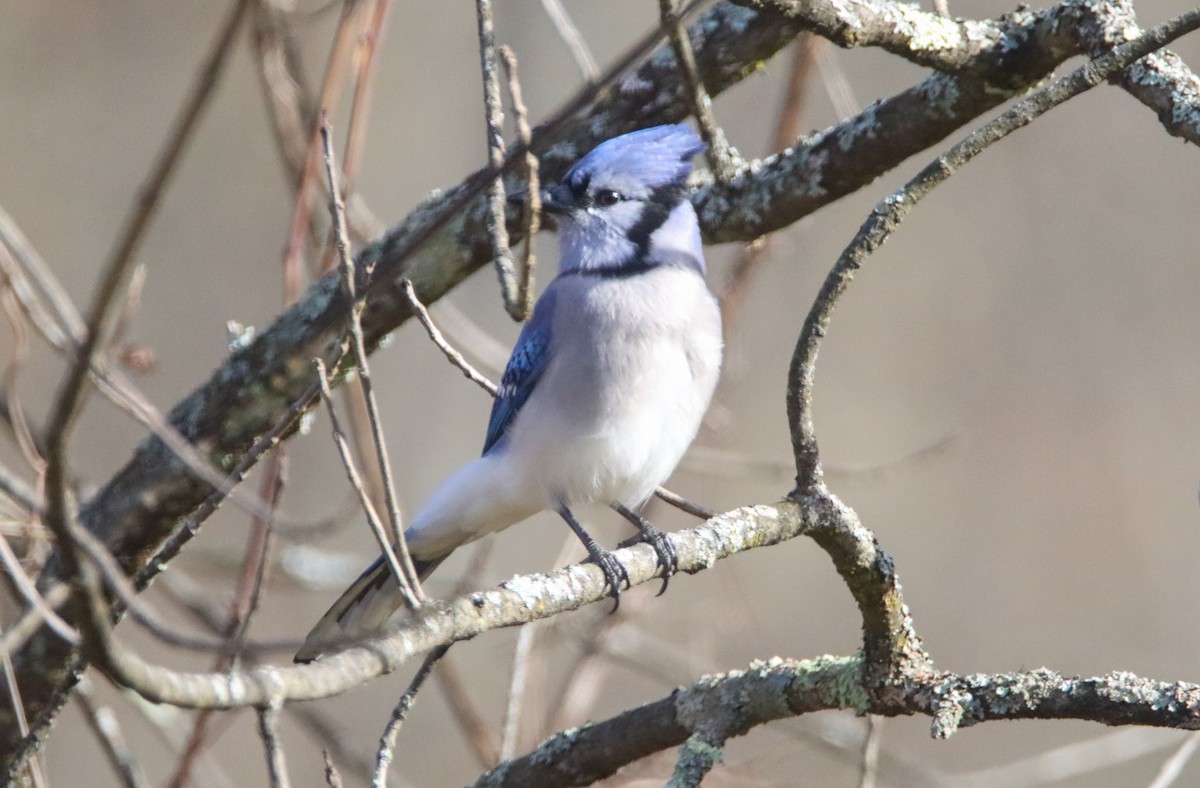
[[664, 549], [614, 572]]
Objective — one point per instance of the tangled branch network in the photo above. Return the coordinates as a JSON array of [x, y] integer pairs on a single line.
[[149, 510]]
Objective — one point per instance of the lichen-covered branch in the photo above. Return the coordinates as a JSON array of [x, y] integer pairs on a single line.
[[720, 707], [516, 601], [1160, 80], [993, 50], [715, 706]]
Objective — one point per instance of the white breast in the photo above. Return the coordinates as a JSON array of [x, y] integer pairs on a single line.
[[636, 360]]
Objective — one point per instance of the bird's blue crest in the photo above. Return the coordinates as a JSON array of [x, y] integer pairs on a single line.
[[655, 157]]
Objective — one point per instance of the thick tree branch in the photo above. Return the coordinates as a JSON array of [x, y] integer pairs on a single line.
[[731, 704]]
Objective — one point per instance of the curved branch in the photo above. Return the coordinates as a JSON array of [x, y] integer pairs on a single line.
[[720, 706], [921, 37], [727, 705], [894, 208], [516, 601], [1160, 80]]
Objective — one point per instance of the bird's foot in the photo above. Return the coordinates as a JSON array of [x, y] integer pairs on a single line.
[[664, 548], [614, 572]]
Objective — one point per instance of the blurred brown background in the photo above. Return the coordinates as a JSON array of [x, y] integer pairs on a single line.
[[1034, 320]]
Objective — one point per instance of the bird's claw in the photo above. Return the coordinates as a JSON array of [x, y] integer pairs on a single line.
[[614, 574], [664, 550]]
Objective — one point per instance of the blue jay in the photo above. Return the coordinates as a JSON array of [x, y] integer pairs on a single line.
[[606, 386]]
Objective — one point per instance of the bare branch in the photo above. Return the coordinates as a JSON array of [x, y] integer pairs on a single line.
[[570, 36], [870, 752], [683, 504], [332, 778], [891, 211], [387, 741], [268, 731], [718, 152], [410, 584], [476, 731], [107, 730], [497, 224], [518, 601], [25, 586], [517, 686], [452, 355], [788, 124], [728, 705], [382, 538], [1174, 765], [533, 195]]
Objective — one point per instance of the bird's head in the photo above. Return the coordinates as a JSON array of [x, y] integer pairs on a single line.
[[611, 203]]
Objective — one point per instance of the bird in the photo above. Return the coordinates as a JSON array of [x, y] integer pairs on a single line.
[[607, 383]]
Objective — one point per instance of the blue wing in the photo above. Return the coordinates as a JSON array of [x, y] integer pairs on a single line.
[[525, 366]]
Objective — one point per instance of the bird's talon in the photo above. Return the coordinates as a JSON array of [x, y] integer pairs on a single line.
[[664, 551], [614, 575]]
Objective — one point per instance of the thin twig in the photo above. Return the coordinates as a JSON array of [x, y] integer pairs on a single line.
[[290, 104], [15, 635], [869, 766], [476, 730], [123, 590], [365, 64], [497, 199], [31, 595], [245, 602], [720, 156], [160, 175], [366, 55], [364, 61], [18, 492], [1173, 766], [890, 212], [410, 584], [26, 441], [570, 36], [14, 694], [516, 691], [533, 196], [332, 778], [107, 730], [683, 504], [191, 525], [61, 514], [60, 324], [345, 41], [331, 735], [447, 349], [129, 304], [788, 123], [387, 741], [268, 731], [377, 527], [35, 286], [202, 608]]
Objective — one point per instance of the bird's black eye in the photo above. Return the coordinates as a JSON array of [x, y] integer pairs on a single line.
[[607, 197]]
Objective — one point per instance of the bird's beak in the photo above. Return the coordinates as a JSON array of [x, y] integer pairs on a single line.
[[558, 200]]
